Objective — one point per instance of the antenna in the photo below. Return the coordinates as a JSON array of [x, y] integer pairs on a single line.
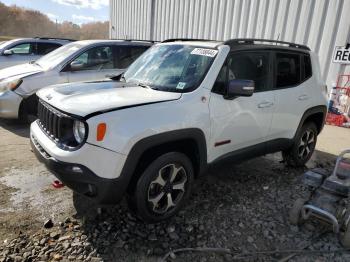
[[278, 37]]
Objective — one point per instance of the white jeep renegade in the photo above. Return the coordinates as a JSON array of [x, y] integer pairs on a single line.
[[180, 107]]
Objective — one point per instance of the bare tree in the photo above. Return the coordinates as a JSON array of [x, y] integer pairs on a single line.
[[20, 22]]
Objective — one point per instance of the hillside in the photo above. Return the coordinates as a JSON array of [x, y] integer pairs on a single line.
[[21, 22]]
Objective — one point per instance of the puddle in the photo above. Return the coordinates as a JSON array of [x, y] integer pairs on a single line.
[[33, 190]]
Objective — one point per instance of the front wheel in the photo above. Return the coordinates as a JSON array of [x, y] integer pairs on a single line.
[[163, 187], [28, 110], [303, 146]]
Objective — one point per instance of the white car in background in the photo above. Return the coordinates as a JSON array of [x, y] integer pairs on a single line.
[[22, 50], [79, 61]]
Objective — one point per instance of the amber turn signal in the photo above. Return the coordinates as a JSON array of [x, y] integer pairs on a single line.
[[101, 131]]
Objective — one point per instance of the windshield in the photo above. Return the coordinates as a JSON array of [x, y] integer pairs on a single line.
[[2, 44], [55, 57], [175, 68]]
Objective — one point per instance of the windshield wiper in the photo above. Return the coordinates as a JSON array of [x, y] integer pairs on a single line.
[[118, 77], [34, 63], [146, 86]]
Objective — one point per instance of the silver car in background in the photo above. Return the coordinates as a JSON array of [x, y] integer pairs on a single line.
[[22, 50], [86, 60]]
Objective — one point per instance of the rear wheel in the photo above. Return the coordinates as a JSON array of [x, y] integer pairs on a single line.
[[303, 147], [163, 187]]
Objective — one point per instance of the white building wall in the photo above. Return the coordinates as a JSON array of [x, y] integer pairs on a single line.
[[320, 24]]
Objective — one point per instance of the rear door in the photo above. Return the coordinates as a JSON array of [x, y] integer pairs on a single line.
[[242, 122], [293, 92]]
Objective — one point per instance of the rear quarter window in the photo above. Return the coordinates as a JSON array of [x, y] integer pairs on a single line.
[[307, 67]]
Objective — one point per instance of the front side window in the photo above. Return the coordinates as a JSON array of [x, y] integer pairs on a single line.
[[288, 70], [246, 66], [125, 55], [23, 49], [45, 48], [174, 68], [96, 58]]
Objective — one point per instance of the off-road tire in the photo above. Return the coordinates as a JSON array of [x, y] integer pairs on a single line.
[[293, 156], [28, 110], [140, 202]]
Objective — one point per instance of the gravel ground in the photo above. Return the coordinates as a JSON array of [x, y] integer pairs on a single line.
[[243, 208]]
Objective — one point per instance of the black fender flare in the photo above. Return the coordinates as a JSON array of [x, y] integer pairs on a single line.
[[144, 144], [309, 112]]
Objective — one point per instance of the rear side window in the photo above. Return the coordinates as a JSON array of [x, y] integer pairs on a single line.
[[288, 71], [125, 55], [45, 48]]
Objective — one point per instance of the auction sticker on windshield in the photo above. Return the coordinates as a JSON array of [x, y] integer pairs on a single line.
[[204, 51], [180, 85]]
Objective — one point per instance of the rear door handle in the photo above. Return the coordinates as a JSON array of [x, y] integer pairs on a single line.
[[303, 97], [265, 104]]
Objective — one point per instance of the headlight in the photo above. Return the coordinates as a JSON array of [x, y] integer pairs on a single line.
[[79, 131], [10, 84]]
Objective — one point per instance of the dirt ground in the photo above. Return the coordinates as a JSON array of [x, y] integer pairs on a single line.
[[242, 207]]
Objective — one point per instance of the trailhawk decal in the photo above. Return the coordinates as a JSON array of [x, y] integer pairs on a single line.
[[204, 51]]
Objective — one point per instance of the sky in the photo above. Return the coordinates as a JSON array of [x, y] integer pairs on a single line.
[[76, 11]]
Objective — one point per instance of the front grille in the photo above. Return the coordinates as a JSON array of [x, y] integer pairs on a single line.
[[57, 125], [49, 120]]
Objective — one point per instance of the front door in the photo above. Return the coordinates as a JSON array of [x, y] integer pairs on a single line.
[[21, 53], [93, 64], [244, 121]]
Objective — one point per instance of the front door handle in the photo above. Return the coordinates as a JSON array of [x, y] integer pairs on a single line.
[[303, 97], [265, 104]]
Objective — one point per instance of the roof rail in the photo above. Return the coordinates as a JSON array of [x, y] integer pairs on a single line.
[[136, 40], [252, 41], [188, 39], [54, 38]]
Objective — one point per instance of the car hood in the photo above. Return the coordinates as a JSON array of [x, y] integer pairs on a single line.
[[20, 71], [85, 98]]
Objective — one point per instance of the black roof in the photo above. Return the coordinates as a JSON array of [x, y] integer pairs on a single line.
[[253, 41], [250, 43], [55, 38], [135, 40]]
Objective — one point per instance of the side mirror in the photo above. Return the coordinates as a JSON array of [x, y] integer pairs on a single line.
[[239, 87], [76, 65], [8, 52]]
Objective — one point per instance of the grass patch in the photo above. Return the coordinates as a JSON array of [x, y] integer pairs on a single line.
[[5, 37]]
